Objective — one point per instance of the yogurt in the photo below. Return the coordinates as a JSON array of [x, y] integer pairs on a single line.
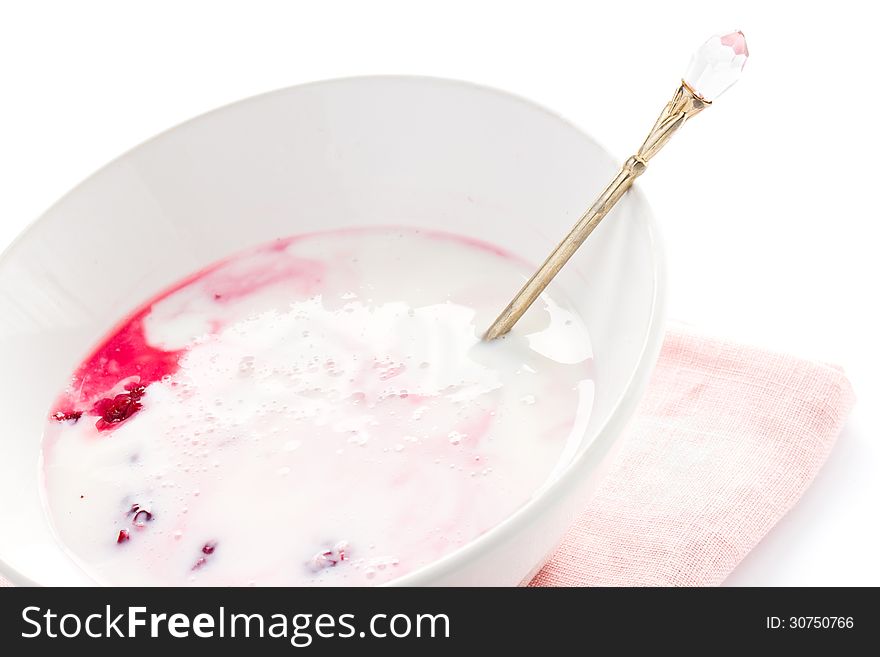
[[320, 410]]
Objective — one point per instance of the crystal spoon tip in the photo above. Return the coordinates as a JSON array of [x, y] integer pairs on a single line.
[[717, 65]]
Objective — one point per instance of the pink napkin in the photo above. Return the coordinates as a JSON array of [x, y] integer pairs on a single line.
[[725, 441]]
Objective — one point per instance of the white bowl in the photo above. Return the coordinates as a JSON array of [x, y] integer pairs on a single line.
[[360, 151]]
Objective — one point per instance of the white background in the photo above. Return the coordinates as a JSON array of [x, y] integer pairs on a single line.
[[767, 201]]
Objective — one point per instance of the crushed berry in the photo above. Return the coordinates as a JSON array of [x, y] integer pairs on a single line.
[[119, 408], [208, 549], [140, 516], [331, 557], [123, 536], [65, 416]]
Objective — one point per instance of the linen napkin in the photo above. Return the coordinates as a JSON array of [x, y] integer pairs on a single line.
[[725, 441]]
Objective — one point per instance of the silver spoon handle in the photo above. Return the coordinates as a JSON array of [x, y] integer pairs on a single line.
[[684, 104]]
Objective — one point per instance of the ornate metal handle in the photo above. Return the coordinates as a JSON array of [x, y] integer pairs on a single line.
[[714, 68]]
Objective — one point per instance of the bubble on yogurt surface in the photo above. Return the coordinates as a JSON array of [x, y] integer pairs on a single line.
[[245, 406]]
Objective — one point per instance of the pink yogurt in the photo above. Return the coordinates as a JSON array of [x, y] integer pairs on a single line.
[[316, 411]]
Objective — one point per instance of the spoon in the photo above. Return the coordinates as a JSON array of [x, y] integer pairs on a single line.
[[713, 69]]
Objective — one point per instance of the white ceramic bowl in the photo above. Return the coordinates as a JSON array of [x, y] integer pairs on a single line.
[[360, 151]]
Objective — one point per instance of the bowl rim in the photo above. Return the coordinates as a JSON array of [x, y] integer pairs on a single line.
[[621, 412]]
